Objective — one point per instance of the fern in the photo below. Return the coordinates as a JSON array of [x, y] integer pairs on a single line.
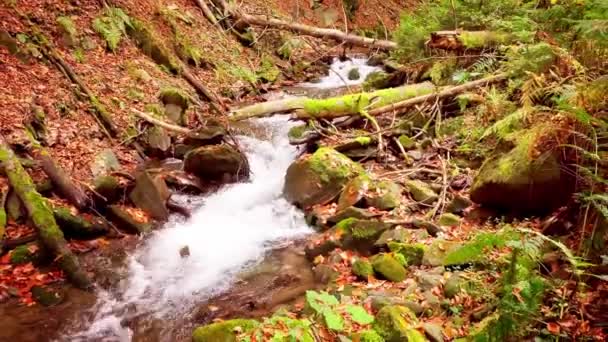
[[506, 125], [485, 64], [112, 26], [474, 250]]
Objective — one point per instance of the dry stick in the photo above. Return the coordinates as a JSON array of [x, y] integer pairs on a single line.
[[309, 30], [102, 118], [40, 212], [448, 92], [160, 123], [444, 189]]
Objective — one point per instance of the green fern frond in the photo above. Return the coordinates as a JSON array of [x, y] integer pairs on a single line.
[[506, 125], [112, 26]]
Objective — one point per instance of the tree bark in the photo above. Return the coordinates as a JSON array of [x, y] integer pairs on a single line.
[[334, 107], [447, 92], [61, 181], [42, 217], [309, 30]]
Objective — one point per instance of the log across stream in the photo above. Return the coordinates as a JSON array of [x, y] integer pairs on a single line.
[[242, 246]]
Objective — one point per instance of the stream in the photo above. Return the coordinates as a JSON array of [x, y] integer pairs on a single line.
[[240, 240]]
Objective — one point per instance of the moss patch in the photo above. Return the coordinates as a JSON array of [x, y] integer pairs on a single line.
[[388, 267], [332, 165], [226, 331]]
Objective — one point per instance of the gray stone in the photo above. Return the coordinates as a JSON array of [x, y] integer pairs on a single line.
[[421, 192], [151, 194], [105, 162], [453, 285], [433, 331], [427, 281]]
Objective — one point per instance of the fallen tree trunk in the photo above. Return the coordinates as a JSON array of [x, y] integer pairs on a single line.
[[206, 11], [60, 179], [447, 92], [309, 30], [42, 217], [334, 107], [460, 40]]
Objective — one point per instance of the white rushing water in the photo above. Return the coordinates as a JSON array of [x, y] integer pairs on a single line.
[[230, 231], [338, 73]]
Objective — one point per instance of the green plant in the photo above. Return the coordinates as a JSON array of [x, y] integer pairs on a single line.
[[112, 26]]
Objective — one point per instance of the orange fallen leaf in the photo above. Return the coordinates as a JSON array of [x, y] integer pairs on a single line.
[[553, 328]]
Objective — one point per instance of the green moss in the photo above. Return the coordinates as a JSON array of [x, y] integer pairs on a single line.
[[112, 26], [388, 267], [363, 268], [331, 165], [367, 336], [407, 142], [268, 71], [394, 323], [147, 41], [176, 96], [21, 255], [421, 191], [68, 27], [449, 219], [483, 39], [413, 253], [226, 331], [363, 141], [297, 132], [353, 74], [376, 80]]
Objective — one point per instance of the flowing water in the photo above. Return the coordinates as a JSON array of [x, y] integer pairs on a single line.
[[231, 231]]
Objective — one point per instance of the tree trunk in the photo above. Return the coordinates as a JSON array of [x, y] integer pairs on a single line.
[[42, 217], [61, 181], [309, 30], [445, 93], [334, 107]]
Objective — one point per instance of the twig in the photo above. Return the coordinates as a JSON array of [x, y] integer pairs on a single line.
[[440, 202]]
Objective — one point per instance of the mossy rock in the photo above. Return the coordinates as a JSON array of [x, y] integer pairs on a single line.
[[376, 80], [413, 252], [453, 285], [354, 74], [109, 187], [438, 250], [157, 139], [449, 220], [363, 268], [226, 331], [216, 162], [458, 205], [395, 323], [387, 266], [352, 212], [524, 179], [319, 178], [46, 296], [354, 191], [421, 191], [384, 195], [79, 225], [25, 253], [367, 336], [104, 163], [360, 234], [211, 134], [402, 235]]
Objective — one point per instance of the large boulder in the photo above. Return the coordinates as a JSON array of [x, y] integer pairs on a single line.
[[217, 162], [151, 194], [319, 178], [527, 178]]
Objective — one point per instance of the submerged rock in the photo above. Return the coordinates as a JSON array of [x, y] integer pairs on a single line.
[[215, 162], [319, 178], [526, 178], [225, 331]]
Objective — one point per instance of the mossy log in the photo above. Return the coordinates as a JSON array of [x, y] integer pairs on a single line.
[[460, 40], [41, 215], [324, 33], [79, 226], [334, 107], [61, 181]]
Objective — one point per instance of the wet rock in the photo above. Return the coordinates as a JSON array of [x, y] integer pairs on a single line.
[[214, 162], [353, 74], [438, 250], [421, 192], [319, 178], [213, 133], [151, 194], [402, 235], [449, 220], [433, 332], [176, 102], [458, 205], [225, 331], [524, 179], [396, 323], [316, 248], [352, 212], [104, 163], [79, 226], [46, 296], [184, 182], [388, 267], [184, 252], [376, 80], [453, 285], [413, 253], [363, 268]]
